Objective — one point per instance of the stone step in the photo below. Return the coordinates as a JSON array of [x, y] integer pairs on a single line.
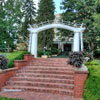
[[51, 65], [38, 89], [48, 68], [44, 79], [50, 62], [46, 64], [46, 72], [41, 84], [39, 75]]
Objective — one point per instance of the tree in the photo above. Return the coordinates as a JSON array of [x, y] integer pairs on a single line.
[[45, 13], [29, 14], [96, 24], [10, 21], [82, 11]]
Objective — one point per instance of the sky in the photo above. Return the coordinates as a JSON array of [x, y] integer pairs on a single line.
[[57, 4]]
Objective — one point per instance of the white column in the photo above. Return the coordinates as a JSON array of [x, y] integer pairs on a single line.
[[76, 44], [81, 34], [34, 44], [62, 47], [29, 43]]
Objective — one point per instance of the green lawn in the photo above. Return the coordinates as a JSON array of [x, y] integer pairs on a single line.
[[92, 85], [18, 55], [4, 98]]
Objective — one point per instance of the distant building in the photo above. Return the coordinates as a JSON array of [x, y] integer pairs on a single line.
[[64, 45]]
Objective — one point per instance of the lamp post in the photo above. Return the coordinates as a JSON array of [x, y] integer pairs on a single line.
[[5, 48]]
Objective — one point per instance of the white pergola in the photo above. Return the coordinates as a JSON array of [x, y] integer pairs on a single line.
[[35, 29]]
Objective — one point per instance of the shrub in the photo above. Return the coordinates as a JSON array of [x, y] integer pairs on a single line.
[[94, 62], [76, 58], [54, 51], [3, 62], [18, 55], [48, 52], [40, 52]]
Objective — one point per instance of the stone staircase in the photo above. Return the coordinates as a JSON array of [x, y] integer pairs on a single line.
[[51, 75]]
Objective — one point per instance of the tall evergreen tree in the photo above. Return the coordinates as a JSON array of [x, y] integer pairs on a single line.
[[82, 11], [29, 14], [46, 12]]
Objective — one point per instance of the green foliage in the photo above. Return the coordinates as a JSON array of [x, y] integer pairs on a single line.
[[84, 11], [29, 13], [4, 98], [18, 55], [48, 52], [94, 62], [92, 85], [10, 20], [54, 51], [45, 13], [40, 52]]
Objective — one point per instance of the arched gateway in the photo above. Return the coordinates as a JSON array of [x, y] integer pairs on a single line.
[[35, 29]]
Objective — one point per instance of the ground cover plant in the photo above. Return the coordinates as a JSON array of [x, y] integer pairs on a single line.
[[92, 85], [4, 98]]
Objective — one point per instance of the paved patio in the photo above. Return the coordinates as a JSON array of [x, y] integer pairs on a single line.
[[36, 96]]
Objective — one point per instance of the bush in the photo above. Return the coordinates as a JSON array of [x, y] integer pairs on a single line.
[[92, 85], [94, 62], [54, 51], [3, 62], [76, 58], [48, 52], [18, 55], [40, 52]]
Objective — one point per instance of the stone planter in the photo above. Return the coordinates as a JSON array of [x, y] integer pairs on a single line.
[[44, 56]]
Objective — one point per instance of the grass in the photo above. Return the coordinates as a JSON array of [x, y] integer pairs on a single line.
[[18, 55], [4, 98], [92, 85]]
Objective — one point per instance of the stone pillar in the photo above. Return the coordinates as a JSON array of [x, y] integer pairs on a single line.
[[82, 47], [62, 47], [76, 44], [19, 63], [28, 57], [34, 44]]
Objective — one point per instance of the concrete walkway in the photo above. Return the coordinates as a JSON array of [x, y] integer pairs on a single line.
[[36, 96]]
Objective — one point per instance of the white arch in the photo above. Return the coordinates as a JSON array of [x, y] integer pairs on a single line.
[[35, 29], [45, 27]]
